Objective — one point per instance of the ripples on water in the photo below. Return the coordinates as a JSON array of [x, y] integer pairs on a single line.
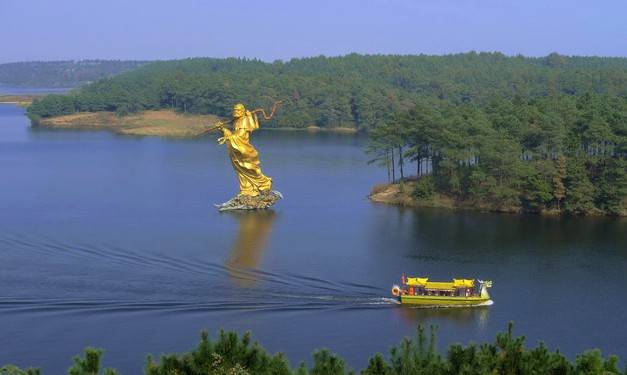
[[282, 292]]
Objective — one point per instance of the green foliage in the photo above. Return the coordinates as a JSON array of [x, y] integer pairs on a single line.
[[377, 366], [353, 90], [234, 355], [612, 186], [12, 370], [90, 364], [579, 189], [532, 154], [424, 188], [559, 190], [591, 362], [54, 105], [229, 354], [415, 356], [537, 191], [327, 363]]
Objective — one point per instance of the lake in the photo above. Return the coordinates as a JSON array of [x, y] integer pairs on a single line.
[[113, 241]]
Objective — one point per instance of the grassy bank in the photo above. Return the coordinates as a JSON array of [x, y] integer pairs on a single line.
[[234, 355], [405, 195], [151, 123], [163, 123], [402, 194]]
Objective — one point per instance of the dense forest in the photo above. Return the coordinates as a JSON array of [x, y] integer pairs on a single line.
[[353, 90], [61, 74], [234, 355], [556, 154], [537, 134]]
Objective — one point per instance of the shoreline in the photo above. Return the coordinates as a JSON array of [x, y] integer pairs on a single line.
[[162, 123], [19, 100], [398, 194], [317, 129]]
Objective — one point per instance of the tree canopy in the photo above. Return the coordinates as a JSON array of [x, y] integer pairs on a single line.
[[353, 90], [231, 354], [554, 152]]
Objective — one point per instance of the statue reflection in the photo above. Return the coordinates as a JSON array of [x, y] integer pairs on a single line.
[[254, 229]]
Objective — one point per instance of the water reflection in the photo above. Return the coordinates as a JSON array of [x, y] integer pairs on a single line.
[[473, 316], [253, 232]]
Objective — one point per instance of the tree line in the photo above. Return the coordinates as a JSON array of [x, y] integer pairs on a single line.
[[57, 74], [359, 91], [231, 354]]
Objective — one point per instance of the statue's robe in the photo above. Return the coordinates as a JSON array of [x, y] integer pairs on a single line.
[[244, 157]]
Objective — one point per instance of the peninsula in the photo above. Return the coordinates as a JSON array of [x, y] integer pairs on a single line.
[[163, 123], [21, 100]]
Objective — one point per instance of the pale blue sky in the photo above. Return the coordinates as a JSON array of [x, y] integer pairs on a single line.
[[269, 30]]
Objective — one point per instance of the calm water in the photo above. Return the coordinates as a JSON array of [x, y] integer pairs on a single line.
[[113, 242]]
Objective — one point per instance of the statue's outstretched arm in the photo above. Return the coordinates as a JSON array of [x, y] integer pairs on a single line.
[[220, 125], [265, 115]]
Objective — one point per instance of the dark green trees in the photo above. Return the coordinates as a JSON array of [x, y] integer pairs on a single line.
[[559, 190], [552, 153], [90, 364], [234, 355], [230, 354], [355, 91], [611, 191], [579, 188]]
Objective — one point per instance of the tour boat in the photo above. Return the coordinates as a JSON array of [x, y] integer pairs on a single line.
[[419, 291]]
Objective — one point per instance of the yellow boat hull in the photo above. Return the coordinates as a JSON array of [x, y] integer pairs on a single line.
[[444, 301]]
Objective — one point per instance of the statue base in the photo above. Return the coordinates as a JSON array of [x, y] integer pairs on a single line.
[[262, 201]]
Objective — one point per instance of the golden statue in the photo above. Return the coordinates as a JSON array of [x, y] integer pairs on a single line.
[[255, 188]]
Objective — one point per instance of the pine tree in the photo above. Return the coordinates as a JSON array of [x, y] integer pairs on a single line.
[[559, 190], [579, 189], [612, 187]]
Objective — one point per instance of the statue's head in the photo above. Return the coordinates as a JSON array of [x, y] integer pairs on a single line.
[[239, 110]]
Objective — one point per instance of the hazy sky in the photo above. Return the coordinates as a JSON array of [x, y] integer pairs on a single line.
[[269, 29]]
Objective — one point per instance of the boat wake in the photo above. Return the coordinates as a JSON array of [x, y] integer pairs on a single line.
[[89, 278], [9, 304]]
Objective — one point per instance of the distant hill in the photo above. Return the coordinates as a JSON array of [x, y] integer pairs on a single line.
[[348, 91], [71, 73]]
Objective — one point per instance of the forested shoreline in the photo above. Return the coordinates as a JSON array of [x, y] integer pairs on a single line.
[[516, 133], [354, 90], [235, 355], [554, 154]]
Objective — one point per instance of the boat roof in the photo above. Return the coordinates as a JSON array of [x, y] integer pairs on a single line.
[[442, 285]]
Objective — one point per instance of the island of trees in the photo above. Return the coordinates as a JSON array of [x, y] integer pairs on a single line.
[[234, 355], [467, 130]]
